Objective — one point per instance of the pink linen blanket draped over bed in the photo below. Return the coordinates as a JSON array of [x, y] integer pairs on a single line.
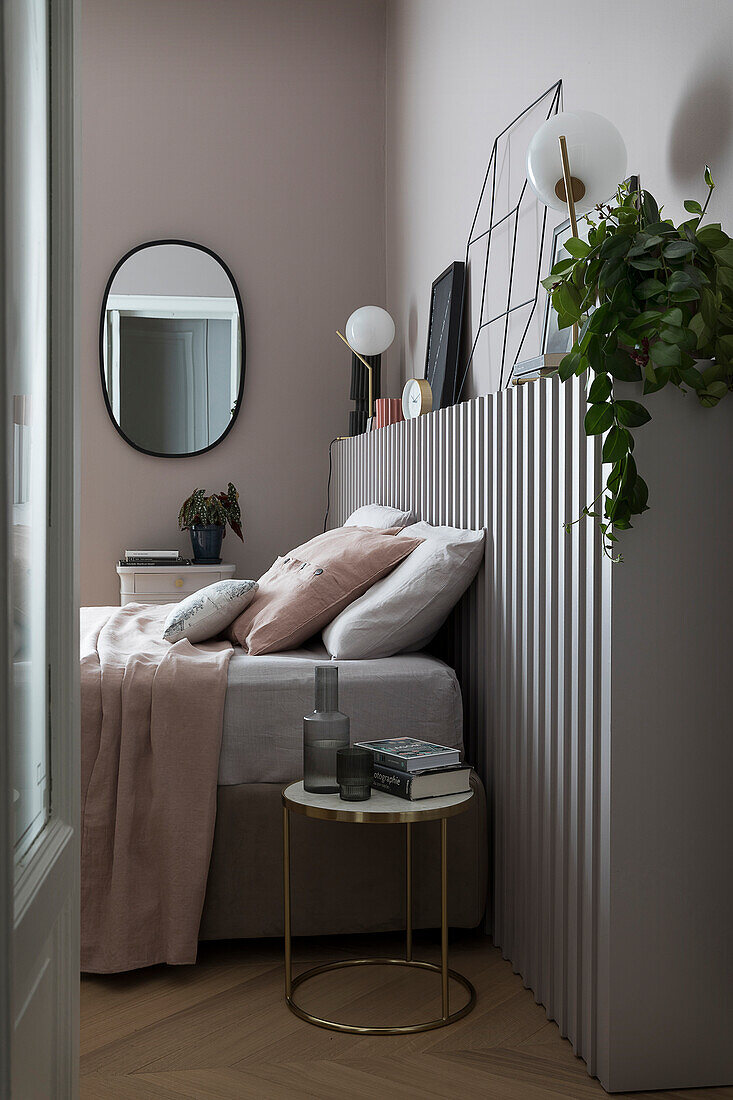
[[151, 726]]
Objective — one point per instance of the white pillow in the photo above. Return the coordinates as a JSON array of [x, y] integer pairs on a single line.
[[205, 613], [380, 516], [404, 609]]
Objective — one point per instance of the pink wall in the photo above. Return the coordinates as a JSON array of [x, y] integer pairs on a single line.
[[257, 129]]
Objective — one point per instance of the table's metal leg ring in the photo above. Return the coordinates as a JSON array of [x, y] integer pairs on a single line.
[[446, 1017]]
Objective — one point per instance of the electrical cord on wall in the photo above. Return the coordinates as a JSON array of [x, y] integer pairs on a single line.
[[330, 471]]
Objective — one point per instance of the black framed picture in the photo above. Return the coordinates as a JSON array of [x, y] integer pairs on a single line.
[[444, 334]]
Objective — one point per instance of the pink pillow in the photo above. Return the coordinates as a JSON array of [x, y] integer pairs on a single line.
[[300, 594]]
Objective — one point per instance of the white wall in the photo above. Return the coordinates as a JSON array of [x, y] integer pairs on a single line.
[[458, 72]]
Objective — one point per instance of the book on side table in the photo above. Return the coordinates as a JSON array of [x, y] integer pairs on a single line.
[[410, 755], [416, 785], [413, 769]]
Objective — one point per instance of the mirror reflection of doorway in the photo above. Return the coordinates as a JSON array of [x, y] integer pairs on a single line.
[[172, 348], [174, 381]]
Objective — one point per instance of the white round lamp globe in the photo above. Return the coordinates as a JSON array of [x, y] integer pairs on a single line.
[[596, 153], [370, 330]]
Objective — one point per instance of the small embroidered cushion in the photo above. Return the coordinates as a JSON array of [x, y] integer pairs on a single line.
[[206, 613]]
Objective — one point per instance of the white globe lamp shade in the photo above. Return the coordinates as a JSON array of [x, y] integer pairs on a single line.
[[370, 330], [596, 153]]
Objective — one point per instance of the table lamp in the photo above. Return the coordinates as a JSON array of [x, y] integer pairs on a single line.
[[369, 331]]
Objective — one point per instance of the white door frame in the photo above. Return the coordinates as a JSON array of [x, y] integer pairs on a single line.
[[174, 306], [39, 895]]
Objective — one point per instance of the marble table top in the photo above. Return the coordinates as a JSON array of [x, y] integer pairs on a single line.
[[380, 809]]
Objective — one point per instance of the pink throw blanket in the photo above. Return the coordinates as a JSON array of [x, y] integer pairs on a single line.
[[151, 723]]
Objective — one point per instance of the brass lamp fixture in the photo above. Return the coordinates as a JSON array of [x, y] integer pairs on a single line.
[[369, 331], [575, 161], [368, 367]]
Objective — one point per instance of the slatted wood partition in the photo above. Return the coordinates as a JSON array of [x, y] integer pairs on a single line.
[[597, 710], [527, 642]]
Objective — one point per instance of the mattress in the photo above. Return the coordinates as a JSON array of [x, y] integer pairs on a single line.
[[411, 695]]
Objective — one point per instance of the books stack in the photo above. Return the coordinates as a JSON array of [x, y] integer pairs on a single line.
[[414, 769], [153, 557]]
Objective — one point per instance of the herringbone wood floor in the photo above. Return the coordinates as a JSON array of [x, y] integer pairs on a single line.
[[220, 1030]]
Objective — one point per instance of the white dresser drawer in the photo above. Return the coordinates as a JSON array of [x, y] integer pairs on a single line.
[[167, 584], [175, 584]]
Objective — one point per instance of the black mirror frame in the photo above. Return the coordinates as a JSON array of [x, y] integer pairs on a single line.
[[238, 405]]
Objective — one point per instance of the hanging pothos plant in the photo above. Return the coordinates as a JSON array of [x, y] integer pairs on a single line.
[[652, 299]]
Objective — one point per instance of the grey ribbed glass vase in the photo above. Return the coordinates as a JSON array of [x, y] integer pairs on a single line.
[[325, 731]]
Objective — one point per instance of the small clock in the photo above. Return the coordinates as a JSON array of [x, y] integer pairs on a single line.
[[417, 398]]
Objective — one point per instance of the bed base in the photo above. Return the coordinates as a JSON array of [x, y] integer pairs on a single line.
[[334, 872]]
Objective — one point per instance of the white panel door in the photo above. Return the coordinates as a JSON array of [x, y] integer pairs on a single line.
[[39, 862]]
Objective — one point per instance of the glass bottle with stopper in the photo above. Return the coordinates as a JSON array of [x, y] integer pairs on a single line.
[[325, 731]]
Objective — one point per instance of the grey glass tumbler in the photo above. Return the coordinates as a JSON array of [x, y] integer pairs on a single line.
[[325, 731], [355, 771]]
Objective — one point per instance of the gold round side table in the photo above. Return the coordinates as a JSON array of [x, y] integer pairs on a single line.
[[380, 809]]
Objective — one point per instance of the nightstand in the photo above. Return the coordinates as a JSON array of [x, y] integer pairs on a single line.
[[380, 809], [167, 583]]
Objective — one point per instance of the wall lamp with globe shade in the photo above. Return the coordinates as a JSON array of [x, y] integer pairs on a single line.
[[575, 161]]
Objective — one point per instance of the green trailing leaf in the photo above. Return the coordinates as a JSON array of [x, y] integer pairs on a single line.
[[562, 265], [639, 497], [594, 354], [656, 378], [623, 473], [577, 248], [645, 319], [678, 280], [724, 280], [615, 445], [614, 247], [598, 419], [692, 206], [690, 295], [649, 288], [600, 390], [693, 378], [677, 250], [666, 355], [646, 263], [631, 413], [602, 319], [649, 209], [724, 348], [713, 237], [724, 255], [568, 365], [566, 300], [611, 273], [622, 367]]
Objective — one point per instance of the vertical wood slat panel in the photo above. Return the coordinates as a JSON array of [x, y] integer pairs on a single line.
[[529, 642]]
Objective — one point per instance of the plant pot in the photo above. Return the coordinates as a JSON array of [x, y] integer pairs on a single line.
[[206, 542]]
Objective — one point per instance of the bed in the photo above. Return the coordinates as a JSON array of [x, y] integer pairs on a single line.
[[334, 870], [188, 741]]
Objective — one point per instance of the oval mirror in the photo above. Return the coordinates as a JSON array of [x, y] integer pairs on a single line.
[[172, 349]]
